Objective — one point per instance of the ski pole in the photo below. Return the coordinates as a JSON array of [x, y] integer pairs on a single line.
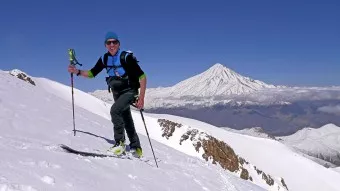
[[147, 133], [73, 61], [141, 113], [74, 123]]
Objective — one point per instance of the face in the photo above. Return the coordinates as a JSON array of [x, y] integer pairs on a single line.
[[112, 45]]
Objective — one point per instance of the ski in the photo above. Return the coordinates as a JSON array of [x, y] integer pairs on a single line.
[[100, 154], [92, 154]]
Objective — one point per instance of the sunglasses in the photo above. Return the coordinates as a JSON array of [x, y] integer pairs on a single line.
[[114, 42]]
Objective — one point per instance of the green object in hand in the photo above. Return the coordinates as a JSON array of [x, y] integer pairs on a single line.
[[72, 57], [71, 54]]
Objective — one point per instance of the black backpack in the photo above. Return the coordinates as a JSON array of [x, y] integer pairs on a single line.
[[122, 62]]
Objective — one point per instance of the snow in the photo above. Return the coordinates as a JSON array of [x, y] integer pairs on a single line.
[[216, 81], [35, 119], [221, 85], [64, 92], [323, 141], [16, 72], [255, 131], [337, 169], [160, 98], [308, 138], [273, 157]]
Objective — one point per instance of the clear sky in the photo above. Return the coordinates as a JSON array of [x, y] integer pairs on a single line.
[[291, 42]]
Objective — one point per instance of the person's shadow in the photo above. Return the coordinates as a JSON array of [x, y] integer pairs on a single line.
[[106, 139]]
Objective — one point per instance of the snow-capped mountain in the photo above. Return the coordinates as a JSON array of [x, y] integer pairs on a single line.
[[194, 155], [323, 143], [218, 80], [205, 89], [220, 85], [255, 132]]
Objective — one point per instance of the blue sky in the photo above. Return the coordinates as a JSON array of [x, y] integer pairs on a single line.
[[279, 42]]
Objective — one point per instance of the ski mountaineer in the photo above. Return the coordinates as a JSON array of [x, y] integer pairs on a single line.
[[125, 78]]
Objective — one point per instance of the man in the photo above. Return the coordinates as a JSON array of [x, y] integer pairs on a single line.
[[125, 77]]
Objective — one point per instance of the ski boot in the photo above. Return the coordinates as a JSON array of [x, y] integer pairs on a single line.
[[118, 148], [136, 152]]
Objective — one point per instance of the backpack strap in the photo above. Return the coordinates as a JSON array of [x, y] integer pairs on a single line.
[[123, 57], [105, 57], [108, 68], [123, 62]]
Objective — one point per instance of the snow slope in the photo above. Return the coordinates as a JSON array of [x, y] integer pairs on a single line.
[[271, 156], [312, 154], [337, 169], [255, 132], [35, 119], [32, 127], [323, 142]]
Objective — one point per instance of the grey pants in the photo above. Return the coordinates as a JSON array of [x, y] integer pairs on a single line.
[[122, 119]]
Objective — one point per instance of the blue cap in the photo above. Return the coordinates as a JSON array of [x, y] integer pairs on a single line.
[[111, 35]]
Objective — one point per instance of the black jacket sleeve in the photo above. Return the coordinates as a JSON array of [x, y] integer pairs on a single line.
[[133, 66], [98, 67]]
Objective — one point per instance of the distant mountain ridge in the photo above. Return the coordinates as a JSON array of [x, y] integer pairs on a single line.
[[322, 143], [255, 132]]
